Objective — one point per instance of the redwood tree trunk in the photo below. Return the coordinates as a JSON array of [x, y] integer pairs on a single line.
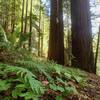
[[82, 36], [56, 38]]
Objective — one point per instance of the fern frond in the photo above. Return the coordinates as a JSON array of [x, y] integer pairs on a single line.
[[35, 67], [27, 76]]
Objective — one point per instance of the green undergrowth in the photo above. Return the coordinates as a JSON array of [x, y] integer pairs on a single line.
[[27, 77]]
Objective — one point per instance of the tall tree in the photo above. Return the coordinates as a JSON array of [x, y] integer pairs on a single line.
[[13, 15], [26, 17], [9, 15], [82, 35], [22, 16], [97, 48], [6, 15], [42, 35], [30, 37], [39, 36], [56, 38]]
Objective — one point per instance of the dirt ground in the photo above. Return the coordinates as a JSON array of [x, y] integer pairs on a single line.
[[89, 92]]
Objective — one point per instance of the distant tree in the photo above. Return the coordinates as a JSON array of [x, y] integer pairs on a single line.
[[5, 14], [97, 48], [13, 16], [56, 37], [26, 17], [9, 14], [30, 37], [42, 35], [22, 18], [82, 36], [39, 36]]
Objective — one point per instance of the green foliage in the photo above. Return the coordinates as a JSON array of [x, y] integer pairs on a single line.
[[2, 35], [70, 90], [27, 74], [55, 74], [57, 88], [23, 76], [26, 83], [59, 98], [4, 85]]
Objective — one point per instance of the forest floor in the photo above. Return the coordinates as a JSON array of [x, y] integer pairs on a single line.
[[90, 92]]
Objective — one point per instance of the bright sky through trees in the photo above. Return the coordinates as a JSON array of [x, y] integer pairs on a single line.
[[95, 10]]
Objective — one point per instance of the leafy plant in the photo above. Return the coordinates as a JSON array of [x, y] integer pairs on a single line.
[[25, 83], [23, 76], [4, 85]]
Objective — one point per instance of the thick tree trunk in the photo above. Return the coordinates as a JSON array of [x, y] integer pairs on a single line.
[[56, 38], [82, 36]]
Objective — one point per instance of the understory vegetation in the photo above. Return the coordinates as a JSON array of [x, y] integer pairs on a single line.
[[49, 50], [30, 77]]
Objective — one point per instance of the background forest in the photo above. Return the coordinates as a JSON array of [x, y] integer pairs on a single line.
[[48, 48]]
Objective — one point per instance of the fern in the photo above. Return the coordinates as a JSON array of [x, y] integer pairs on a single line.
[[4, 85], [35, 67], [28, 77], [49, 68]]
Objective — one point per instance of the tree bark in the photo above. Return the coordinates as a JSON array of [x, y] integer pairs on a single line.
[[97, 48], [82, 36], [56, 37]]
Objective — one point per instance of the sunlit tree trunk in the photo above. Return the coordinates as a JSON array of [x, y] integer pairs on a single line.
[[42, 36], [23, 4], [39, 35], [26, 17], [56, 37], [97, 49], [82, 36]]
